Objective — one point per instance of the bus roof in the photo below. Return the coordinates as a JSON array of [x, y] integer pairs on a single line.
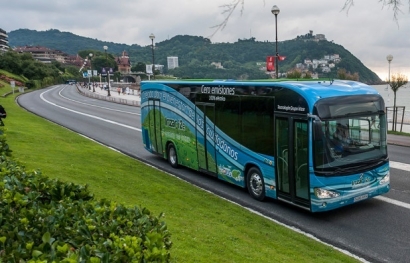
[[312, 90]]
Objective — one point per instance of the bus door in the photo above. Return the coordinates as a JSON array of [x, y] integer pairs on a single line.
[[292, 178], [155, 125], [204, 145]]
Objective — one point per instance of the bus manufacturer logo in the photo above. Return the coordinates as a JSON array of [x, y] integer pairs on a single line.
[[361, 180]]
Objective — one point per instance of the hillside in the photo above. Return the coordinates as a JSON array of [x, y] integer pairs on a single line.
[[195, 53]]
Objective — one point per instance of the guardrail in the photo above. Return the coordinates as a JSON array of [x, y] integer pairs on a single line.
[[402, 117], [86, 92]]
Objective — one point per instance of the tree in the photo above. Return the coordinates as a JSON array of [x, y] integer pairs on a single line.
[[398, 80], [343, 74], [294, 74], [139, 67], [395, 4]]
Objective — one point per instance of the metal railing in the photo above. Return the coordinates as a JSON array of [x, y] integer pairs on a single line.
[[86, 92], [402, 117]]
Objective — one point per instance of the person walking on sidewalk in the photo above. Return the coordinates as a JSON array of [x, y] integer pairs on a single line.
[[119, 90]]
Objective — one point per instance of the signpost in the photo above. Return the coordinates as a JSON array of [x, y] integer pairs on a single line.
[[13, 85]]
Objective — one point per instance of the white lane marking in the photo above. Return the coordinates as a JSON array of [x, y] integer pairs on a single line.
[[393, 202], [79, 102], [87, 115], [401, 166]]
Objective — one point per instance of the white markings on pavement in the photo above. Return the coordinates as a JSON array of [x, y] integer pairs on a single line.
[[401, 166], [85, 114], [393, 202], [79, 102]]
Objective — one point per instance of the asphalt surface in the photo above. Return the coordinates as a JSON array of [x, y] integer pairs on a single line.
[[135, 96]]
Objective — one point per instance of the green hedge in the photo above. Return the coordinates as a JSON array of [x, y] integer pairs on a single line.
[[47, 220]]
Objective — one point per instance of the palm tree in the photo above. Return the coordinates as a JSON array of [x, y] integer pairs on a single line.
[[398, 80]]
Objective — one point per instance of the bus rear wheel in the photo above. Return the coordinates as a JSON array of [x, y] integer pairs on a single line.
[[256, 185], [172, 155]]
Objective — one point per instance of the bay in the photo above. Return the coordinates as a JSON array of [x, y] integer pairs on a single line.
[[402, 95], [402, 100]]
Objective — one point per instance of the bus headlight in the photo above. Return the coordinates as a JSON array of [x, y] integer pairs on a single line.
[[324, 194], [385, 179]]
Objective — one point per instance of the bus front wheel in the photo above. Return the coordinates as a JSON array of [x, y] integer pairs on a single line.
[[172, 155], [256, 185]]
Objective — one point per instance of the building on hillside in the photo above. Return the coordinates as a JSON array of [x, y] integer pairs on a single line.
[[124, 63], [217, 65], [43, 54], [159, 68], [4, 42], [172, 62], [75, 61], [319, 37]]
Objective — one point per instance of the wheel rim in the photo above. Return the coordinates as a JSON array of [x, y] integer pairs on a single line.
[[256, 184], [172, 155]]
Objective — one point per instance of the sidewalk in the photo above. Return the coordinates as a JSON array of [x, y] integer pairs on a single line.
[[101, 94], [398, 140], [114, 93], [135, 100]]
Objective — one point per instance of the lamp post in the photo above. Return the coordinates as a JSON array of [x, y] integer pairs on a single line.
[[85, 67], [152, 36], [389, 59], [108, 72], [275, 10], [91, 66]]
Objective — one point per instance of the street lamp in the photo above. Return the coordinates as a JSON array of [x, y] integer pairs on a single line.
[[91, 66], [85, 67], [275, 10], [389, 59], [108, 72], [152, 36]]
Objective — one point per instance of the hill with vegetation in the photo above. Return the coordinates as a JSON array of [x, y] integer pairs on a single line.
[[240, 60]]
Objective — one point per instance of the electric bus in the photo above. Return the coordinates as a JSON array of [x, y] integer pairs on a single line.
[[277, 139]]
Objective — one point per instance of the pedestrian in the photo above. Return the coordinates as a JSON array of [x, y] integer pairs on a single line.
[[3, 115], [123, 91], [119, 90], [127, 90]]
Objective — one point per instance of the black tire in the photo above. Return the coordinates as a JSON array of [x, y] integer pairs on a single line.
[[172, 155], [255, 184]]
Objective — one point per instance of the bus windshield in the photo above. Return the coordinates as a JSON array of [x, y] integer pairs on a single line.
[[351, 138]]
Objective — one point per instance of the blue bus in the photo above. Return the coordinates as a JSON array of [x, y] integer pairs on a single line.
[[277, 139]]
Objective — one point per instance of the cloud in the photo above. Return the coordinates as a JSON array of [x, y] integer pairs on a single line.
[[368, 30]]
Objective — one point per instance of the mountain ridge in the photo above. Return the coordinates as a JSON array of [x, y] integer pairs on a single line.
[[196, 53]]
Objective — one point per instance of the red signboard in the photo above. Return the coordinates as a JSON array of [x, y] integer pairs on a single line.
[[270, 63]]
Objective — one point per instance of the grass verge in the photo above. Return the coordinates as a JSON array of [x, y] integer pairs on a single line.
[[398, 133], [204, 227]]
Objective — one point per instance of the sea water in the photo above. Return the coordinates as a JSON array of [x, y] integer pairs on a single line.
[[402, 100]]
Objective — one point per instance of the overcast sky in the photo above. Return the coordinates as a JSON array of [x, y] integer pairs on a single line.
[[368, 30]]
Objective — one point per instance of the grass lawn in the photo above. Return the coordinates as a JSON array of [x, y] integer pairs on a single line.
[[204, 228]]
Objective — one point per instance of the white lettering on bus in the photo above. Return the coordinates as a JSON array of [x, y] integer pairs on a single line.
[[290, 108], [226, 148], [218, 90]]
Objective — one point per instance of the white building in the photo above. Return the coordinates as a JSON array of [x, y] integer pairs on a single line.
[[172, 62], [4, 42]]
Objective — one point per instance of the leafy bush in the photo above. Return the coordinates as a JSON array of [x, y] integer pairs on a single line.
[[47, 220]]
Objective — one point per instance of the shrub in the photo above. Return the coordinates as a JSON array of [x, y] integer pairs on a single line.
[[47, 220]]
